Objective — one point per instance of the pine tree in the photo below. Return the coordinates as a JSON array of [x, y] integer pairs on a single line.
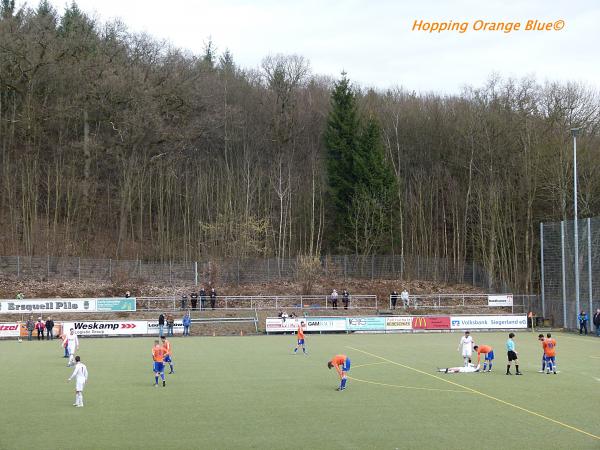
[[342, 144]]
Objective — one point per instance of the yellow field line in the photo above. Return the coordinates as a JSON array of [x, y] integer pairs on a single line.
[[399, 386], [374, 364], [480, 393]]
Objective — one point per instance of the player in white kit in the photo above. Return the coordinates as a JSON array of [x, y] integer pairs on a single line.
[[466, 348], [80, 374], [72, 346]]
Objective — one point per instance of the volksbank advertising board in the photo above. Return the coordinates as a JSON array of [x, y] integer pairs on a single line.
[[397, 323], [70, 305]]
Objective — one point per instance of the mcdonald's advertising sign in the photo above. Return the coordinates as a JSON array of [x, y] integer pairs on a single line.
[[431, 323]]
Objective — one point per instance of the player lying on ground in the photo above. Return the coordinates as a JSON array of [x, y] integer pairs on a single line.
[[471, 368], [342, 365]]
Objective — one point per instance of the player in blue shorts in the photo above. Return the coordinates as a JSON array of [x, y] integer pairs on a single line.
[[158, 356], [342, 366]]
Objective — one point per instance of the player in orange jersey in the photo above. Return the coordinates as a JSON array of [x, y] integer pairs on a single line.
[[168, 354], [489, 356], [300, 337], [158, 356], [550, 353], [541, 338], [342, 365]]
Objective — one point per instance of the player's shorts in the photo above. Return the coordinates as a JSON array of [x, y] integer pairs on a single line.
[[158, 367], [167, 359], [71, 350], [467, 353], [79, 385], [512, 356], [300, 341], [346, 366], [489, 356], [549, 358]]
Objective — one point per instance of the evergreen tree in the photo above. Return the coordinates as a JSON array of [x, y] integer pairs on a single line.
[[226, 63], [372, 172], [342, 143]]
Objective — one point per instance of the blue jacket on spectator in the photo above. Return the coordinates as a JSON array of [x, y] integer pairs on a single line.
[[187, 320]]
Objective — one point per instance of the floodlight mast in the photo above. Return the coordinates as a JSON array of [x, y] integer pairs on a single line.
[[574, 133]]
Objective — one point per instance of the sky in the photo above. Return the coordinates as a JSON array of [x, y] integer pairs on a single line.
[[378, 42]]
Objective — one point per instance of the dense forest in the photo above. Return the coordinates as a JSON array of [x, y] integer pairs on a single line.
[[113, 144]]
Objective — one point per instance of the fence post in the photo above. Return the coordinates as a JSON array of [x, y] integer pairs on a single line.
[[590, 287], [18, 267], [542, 268], [268, 271], [170, 272], [564, 281], [372, 266], [238, 271], [110, 268], [48, 266], [79, 268]]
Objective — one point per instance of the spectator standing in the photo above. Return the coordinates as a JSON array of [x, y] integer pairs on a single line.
[[39, 326], [187, 321], [30, 325], [202, 299], [170, 324], [583, 320], [184, 301], [394, 298], [346, 298], [194, 300], [49, 329], [213, 298], [127, 294], [404, 297], [161, 324], [334, 299], [597, 322]]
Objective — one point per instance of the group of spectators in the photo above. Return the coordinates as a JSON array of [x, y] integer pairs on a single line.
[[194, 296], [403, 296], [169, 321], [334, 298], [583, 322], [40, 327]]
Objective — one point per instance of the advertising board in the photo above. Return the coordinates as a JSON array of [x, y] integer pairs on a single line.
[[488, 322], [398, 323]]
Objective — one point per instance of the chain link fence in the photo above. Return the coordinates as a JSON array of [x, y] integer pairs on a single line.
[[240, 271], [560, 301]]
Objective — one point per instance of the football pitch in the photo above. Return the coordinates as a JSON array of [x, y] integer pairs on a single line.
[[253, 392]]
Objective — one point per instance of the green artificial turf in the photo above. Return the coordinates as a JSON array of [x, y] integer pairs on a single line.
[[252, 392]]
